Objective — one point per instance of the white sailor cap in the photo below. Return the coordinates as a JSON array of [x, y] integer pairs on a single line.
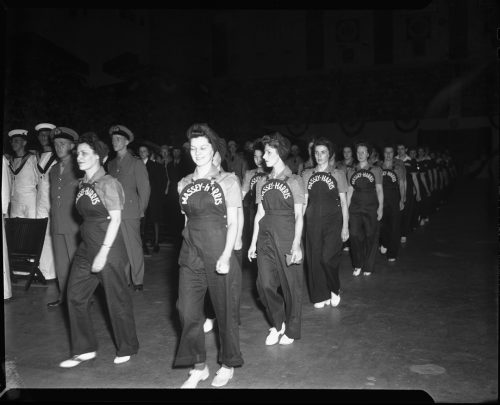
[[122, 130], [44, 125], [22, 133], [63, 132]]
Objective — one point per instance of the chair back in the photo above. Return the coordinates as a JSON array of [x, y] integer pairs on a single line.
[[25, 236]]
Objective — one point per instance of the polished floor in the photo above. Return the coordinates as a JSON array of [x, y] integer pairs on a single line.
[[427, 322]]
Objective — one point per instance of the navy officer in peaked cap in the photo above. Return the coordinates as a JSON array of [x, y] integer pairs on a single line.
[[131, 172]]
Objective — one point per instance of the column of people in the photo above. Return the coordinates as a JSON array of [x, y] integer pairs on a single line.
[[297, 219]]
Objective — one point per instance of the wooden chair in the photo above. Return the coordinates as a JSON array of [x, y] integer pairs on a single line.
[[25, 238]]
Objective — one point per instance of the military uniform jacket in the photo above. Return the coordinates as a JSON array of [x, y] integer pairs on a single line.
[[131, 172], [64, 218]]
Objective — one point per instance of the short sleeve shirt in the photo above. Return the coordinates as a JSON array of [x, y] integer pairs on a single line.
[[294, 182], [338, 174], [229, 183], [109, 190]]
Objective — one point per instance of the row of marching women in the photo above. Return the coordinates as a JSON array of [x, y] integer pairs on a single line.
[[296, 224]]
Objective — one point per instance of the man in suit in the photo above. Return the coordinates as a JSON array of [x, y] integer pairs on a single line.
[[64, 218], [158, 183], [133, 176]]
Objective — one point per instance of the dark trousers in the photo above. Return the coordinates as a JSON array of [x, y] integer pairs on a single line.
[[81, 286], [364, 235], [65, 246], [131, 231], [197, 275], [273, 273], [408, 213], [323, 255], [390, 223]]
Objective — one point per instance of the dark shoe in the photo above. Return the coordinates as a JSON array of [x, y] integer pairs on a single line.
[[138, 287], [55, 303], [156, 249]]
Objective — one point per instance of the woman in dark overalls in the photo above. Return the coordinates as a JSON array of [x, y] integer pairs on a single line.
[[365, 199], [393, 178], [249, 185], [345, 165], [100, 259], [423, 206], [210, 201], [277, 233], [326, 223]]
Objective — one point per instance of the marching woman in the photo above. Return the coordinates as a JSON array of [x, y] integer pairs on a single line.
[[365, 199], [248, 188], [345, 165], [210, 201], [393, 183], [326, 224], [424, 205], [100, 259], [309, 163], [276, 243]]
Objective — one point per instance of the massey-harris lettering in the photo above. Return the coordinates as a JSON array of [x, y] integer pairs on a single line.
[[365, 174], [195, 188], [255, 179], [94, 198], [321, 177], [391, 174], [277, 185]]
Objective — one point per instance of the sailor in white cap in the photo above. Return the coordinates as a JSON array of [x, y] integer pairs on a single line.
[[24, 176], [131, 172], [46, 159]]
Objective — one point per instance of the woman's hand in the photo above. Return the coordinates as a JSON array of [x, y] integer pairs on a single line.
[[401, 205], [380, 212], [222, 265], [296, 253], [252, 252], [100, 260], [344, 234], [417, 197]]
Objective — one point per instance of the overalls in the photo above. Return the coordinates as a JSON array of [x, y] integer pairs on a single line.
[[205, 233], [423, 206], [363, 223], [409, 208], [251, 205], [275, 239], [323, 221], [82, 282], [391, 219]]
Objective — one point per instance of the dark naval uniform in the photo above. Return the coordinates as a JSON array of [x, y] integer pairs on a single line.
[[133, 176]]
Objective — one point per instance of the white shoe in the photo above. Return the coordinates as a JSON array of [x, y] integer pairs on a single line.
[[403, 239], [391, 259], [121, 359], [222, 377], [285, 340], [367, 273], [335, 299], [346, 249], [319, 304], [75, 360], [356, 272], [274, 335], [208, 325], [195, 376], [383, 250]]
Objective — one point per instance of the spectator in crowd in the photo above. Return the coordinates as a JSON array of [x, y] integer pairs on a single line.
[[158, 183], [24, 177], [235, 161], [46, 160], [64, 218], [133, 176], [295, 161], [7, 288]]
